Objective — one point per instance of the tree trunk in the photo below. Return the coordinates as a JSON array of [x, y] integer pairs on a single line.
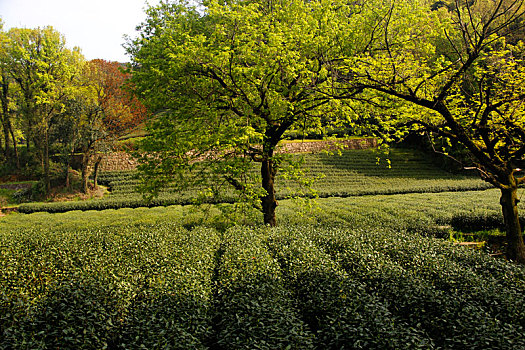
[[5, 115], [67, 182], [6, 126], [15, 149], [95, 171], [47, 176], [269, 203], [28, 138], [7, 154], [68, 165], [509, 205], [4, 151], [85, 164]]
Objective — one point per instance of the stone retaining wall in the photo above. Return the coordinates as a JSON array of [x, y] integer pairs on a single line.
[[123, 161], [331, 145], [117, 161]]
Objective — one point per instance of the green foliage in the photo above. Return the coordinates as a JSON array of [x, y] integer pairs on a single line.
[[336, 306], [428, 287], [46, 75], [452, 74], [355, 274], [254, 309], [229, 79], [172, 307], [354, 173], [94, 288]]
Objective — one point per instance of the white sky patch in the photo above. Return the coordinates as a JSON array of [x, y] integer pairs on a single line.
[[96, 26]]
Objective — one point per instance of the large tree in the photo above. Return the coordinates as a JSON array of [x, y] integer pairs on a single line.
[[230, 78], [45, 71], [7, 93], [105, 110], [467, 82]]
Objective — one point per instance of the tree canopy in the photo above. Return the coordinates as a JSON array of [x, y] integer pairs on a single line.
[[466, 83], [56, 103], [231, 78], [44, 71]]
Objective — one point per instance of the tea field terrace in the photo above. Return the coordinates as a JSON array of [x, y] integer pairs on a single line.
[[356, 272], [353, 173]]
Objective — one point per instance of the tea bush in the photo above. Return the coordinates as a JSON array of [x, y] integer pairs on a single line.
[[349, 273], [353, 173], [455, 306], [135, 286], [337, 307], [254, 309], [172, 309]]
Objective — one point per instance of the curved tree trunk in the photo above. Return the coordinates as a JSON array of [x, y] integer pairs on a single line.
[[85, 170], [509, 205], [269, 203], [95, 171]]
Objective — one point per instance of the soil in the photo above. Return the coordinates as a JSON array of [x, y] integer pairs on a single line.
[[59, 194]]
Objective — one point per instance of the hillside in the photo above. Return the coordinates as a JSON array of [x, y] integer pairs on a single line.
[[353, 173]]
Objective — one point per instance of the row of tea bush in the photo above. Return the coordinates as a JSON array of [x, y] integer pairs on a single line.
[[353, 173], [299, 286]]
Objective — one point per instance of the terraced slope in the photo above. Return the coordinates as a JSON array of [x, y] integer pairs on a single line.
[[363, 172], [353, 173], [352, 274]]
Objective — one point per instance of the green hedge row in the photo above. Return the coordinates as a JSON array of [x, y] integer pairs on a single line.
[[106, 177], [128, 201], [131, 287], [428, 214], [254, 309], [336, 306], [341, 187], [160, 286], [455, 305], [131, 199]]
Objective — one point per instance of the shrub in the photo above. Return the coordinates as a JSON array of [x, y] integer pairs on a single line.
[[337, 307], [454, 306], [72, 315], [106, 287], [354, 273], [253, 309]]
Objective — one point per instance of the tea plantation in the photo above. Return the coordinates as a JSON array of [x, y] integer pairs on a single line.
[[364, 268], [348, 273], [354, 173]]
